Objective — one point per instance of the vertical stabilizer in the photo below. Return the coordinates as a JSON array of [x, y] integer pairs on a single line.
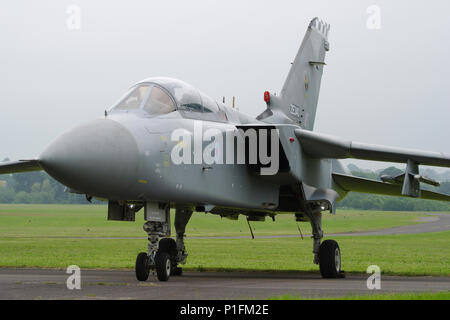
[[300, 93]]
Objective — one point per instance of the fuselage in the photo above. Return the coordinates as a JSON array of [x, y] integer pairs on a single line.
[[128, 155]]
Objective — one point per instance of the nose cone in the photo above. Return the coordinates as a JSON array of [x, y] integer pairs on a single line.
[[99, 158]]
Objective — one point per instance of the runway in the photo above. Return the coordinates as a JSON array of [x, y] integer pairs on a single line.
[[104, 284]]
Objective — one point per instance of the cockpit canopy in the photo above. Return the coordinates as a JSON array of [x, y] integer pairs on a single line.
[[157, 96]]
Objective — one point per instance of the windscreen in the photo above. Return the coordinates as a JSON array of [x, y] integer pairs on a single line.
[[159, 102], [134, 98]]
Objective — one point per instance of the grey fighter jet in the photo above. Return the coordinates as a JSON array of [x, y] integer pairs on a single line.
[[167, 145]]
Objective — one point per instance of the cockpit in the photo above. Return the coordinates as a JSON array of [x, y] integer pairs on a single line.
[[158, 96]]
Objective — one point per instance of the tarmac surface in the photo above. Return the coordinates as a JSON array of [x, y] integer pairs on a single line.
[[104, 284], [118, 284]]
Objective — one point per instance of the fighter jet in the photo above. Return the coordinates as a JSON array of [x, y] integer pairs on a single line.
[[166, 145]]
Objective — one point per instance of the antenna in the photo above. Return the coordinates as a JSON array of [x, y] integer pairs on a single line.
[[250, 227], [298, 227]]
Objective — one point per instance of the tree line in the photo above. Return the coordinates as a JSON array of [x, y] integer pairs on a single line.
[[39, 187], [355, 200], [35, 187]]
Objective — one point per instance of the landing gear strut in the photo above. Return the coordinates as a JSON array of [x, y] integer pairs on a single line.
[[163, 254], [182, 217], [326, 254]]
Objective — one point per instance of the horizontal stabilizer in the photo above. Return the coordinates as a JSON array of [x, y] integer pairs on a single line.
[[19, 166], [318, 145], [357, 184]]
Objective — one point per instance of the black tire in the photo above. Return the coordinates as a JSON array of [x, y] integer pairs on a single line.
[[169, 246], [330, 259], [142, 268], [176, 271], [163, 265]]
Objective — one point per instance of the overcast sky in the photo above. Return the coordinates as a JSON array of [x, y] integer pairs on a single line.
[[388, 86]]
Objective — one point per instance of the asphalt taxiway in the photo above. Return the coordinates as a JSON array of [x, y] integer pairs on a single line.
[[104, 284]]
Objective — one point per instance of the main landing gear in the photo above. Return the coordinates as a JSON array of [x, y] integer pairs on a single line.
[[163, 254], [326, 254]]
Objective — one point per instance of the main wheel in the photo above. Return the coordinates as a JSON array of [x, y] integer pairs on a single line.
[[169, 245], [330, 259], [142, 268], [163, 265]]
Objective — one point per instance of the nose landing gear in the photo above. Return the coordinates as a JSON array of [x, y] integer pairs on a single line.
[[163, 254], [157, 256]]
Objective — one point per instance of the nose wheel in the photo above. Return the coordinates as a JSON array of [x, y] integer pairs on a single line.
[[165, 262], [142, 266], [162, 261], [163, 266]]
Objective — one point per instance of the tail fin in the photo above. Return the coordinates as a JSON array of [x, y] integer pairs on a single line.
[[300, 92]]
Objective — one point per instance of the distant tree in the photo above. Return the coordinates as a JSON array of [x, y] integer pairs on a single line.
[[445, 187], [355, 200], [24, 181], [36, 187], [46, 186], [7, 194], [366, 175], [391, 171], [22, 197]]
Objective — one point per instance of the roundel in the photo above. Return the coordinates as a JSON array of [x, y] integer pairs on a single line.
[[306, 79]]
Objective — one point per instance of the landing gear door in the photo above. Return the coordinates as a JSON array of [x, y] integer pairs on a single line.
[[121, 212], [157, 212]]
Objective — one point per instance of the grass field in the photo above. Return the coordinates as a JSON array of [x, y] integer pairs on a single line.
[[26, 231], [444, 295], [90, 221], [403, 255]]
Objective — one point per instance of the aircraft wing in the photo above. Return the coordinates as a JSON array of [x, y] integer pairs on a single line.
[[318, 145], [19, 166], [357, 184]]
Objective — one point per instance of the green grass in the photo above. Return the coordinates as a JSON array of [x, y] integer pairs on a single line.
[[424, 254], [90, 221], [26, 231], [443, 295]]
